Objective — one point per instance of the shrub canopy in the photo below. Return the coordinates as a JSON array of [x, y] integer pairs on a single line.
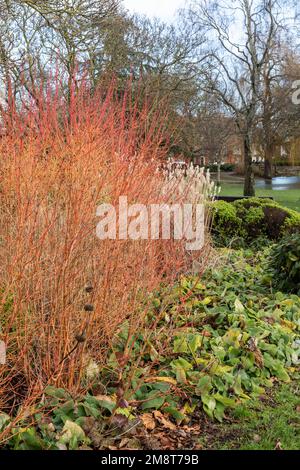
[[252, 219]]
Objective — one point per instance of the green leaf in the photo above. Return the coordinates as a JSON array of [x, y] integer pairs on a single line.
[[180, 362], [219, 412], [239, 307], [204, 385], [180, 366], [180, 375], [209, 404], [106, 402], [4, 420], [281, 373], [227, 402], [206, 301], [31, 441], [180, 345], [56, 392], [72, 434], [195, 343], [155, 403], [175, 413], [91, 410]]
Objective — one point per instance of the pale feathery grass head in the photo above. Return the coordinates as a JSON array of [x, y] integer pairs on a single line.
[[191, 184]]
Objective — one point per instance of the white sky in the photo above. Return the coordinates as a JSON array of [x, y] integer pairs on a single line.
[[164, 9]]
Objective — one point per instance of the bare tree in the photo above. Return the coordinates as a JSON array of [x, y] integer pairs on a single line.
[[242, 33], [278, 117], [216, 130], [39, 36]]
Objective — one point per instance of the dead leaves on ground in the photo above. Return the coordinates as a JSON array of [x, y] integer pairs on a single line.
[[162, 434], [152, 420]]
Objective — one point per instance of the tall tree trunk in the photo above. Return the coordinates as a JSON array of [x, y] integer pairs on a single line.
[[268, 169], [219, 175], [249, 176]]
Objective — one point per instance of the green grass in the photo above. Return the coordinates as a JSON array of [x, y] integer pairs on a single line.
[[261, 425], [288, 198]]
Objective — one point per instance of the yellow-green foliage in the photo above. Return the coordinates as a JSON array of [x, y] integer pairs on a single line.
[[252, 218], [226, 223]]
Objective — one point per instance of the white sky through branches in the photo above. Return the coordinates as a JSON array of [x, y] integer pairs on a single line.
[[164, 9]]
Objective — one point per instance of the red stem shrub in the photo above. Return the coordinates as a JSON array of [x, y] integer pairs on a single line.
[[59, 160]]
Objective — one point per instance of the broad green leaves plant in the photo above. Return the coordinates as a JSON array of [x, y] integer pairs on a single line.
[[230, 339], [235, 345], [285, 262]]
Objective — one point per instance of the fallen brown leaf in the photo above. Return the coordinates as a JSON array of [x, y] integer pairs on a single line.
[[259, 359], [164, 421], [205, 333], [278, 446], [192, 429], [166, 442], [124, 442], [148, 421]]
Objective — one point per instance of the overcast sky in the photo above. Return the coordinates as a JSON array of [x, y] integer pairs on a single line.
[[164, 9]]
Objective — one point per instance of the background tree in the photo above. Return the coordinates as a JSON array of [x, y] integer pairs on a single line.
[[221, 61], [279, 117], [235, 69]]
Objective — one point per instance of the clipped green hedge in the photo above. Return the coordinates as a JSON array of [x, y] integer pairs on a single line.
[[251, 219]]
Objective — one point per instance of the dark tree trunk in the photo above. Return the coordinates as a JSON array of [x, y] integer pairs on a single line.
[[249, 176], [268, 170], [219, 175]]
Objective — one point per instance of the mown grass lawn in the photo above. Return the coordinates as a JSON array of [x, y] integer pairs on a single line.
[[270, 423], [288, 198]]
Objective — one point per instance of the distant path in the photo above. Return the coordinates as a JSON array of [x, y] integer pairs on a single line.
[[279, 183], [286, 197]]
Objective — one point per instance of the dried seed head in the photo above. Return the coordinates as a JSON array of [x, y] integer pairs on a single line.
[[89, 308], [80, 338], [88, 289]]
